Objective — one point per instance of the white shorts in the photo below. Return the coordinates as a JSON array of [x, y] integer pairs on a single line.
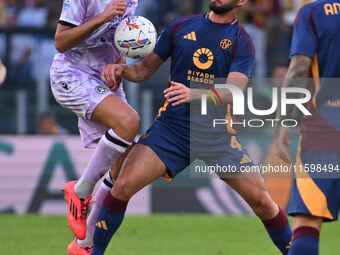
[[81, 93]]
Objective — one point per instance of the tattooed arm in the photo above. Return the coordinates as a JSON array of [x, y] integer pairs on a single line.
[[296, 77], [298, 71]]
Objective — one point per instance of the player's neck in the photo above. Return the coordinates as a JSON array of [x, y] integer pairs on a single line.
[[223, 18]]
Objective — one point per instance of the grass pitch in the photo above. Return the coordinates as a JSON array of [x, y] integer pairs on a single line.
[[153, 235]]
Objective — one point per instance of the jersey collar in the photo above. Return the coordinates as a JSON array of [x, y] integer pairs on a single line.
[[209, 21]]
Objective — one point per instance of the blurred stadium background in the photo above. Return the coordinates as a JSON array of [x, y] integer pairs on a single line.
[[40, 148]]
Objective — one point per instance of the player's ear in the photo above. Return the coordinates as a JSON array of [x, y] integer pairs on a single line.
[[242, 3]]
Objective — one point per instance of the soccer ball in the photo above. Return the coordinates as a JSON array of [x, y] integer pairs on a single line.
[[135, 37]]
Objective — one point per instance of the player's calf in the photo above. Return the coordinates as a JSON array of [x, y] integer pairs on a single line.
[[274, 219], [305, 241], [110, 218], [263, 206], [279, 231], [306, 235]]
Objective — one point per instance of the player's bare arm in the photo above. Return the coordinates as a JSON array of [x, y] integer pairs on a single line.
[[3, 72], [139, 72], [178, 93], [67, 37], [298, 69]]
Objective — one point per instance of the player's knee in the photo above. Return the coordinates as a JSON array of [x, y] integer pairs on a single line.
[[123, 190], [263, 206], [130, 124]]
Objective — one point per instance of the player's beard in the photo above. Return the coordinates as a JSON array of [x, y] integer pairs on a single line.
[[217, 7]]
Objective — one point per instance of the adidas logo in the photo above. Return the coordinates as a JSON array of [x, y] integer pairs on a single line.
[[73, 209], [191, 36], [102, 224], [245, 159], [290, 243]]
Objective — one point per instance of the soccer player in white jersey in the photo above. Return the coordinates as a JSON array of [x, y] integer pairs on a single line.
[[85, 41]]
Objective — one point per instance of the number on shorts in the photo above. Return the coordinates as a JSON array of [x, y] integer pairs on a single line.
[[235, 144]]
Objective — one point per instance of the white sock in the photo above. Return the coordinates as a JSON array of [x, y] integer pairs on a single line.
[[82, 188], [87, 241]]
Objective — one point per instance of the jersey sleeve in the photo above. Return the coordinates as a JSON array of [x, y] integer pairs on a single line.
[[243, 56], [164, 44], [304, 36], [74, 11], [162, 48]]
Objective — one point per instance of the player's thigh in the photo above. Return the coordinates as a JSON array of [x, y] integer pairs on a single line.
[[88, 97], [233, 157], [115, 113], [141, 167], [171, 146], [300, 220]]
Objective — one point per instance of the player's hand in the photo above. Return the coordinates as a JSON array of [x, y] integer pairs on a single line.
[[112, 76], [282, 141], [117, 7], [178, 93]]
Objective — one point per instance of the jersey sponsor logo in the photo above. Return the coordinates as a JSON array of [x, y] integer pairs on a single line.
[[332, 9], [203, 58], [226, 43], [101, 89], [191, 36], [331, 103], [201, 77], [67, 4]]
